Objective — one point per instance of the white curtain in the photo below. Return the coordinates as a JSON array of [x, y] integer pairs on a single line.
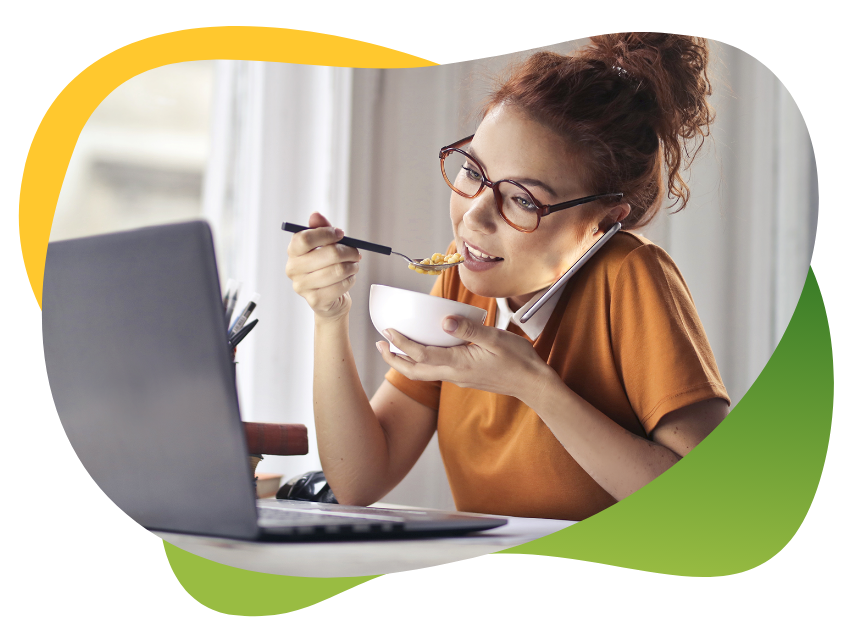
[[280, 151], [361, 147]]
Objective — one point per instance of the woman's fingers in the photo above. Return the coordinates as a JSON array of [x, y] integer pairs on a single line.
[[419, 354], [407, 366], [312, 274], [308, 240], [413, 370], [321, 233], [318, 220], [321, 270], [320, 257], [496, 361], [325, 277]]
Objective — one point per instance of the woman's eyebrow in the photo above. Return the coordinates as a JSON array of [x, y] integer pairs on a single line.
[[537, 183], [526, 182]]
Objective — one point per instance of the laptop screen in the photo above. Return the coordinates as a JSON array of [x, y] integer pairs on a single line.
[[142, 377]]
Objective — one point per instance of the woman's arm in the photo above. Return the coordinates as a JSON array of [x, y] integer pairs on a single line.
[[618, 460], [365, 448], [504, 363]]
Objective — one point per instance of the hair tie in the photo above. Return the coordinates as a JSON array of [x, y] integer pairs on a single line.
[[625, 74]]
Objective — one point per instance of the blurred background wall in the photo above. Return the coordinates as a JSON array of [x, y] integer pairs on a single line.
[[248, 145]]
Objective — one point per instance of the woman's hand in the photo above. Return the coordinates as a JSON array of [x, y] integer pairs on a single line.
[[321, 271], [496, 361]]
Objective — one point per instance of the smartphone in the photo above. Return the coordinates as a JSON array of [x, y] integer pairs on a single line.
[[569, 273]]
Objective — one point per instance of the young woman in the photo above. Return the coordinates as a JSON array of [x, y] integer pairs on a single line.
[[609, 384]]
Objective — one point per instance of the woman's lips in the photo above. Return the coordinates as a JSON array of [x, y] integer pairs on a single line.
[[474, 263]]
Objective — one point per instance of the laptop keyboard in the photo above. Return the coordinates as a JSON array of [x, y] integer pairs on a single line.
[[314, 521], [302, 518], [323, 516]]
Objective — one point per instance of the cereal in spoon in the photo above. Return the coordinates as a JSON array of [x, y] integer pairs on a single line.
[[438, 259]]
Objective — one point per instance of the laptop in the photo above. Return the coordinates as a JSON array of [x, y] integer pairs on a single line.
[[137, 355]]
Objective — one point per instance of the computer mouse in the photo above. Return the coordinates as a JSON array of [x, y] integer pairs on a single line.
[[311, 486]]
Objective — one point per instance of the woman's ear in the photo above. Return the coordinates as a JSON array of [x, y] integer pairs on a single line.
[[614, 215]]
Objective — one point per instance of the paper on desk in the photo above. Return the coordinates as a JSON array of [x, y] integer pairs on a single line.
[[364, 557], [516, 531]]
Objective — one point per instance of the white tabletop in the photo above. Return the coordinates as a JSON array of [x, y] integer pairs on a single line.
[[358, 558]]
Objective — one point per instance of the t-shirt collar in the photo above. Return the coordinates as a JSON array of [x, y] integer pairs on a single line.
[[535, 326]]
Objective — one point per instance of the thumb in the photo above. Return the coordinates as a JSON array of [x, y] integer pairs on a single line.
[[463, 328], [318, 220]]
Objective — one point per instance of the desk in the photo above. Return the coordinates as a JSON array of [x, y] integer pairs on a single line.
[[358, 558]]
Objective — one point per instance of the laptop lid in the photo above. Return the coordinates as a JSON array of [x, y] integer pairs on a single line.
[[137, 357], [143, 381]]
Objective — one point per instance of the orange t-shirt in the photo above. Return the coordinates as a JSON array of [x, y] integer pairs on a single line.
[[625, 336]]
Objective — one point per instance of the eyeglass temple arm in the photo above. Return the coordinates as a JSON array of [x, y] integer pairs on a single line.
[[455, 145], [578, 202], [569, 273]]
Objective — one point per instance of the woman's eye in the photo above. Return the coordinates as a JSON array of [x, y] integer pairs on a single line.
[[471, 173], [525, 203]]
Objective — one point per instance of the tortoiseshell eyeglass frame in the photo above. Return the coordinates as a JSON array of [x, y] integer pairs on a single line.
[[543, 209]]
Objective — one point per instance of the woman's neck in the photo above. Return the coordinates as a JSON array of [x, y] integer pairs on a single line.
[[516, 302]]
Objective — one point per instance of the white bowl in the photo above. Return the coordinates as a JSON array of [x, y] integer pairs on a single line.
[[417, 316]]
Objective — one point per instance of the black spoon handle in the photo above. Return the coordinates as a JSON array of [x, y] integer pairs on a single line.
[[352, 242]]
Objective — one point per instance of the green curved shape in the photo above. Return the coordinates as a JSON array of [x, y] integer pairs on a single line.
[[248, 593], [740, 496], [729, 506]]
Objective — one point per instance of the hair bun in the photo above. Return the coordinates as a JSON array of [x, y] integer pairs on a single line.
[[673, 69]]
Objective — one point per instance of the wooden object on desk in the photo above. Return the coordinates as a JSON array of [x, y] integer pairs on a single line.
[[267, 485], [265, 438]]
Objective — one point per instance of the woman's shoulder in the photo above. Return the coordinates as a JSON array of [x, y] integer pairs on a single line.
[[627, 249], [630, 257], [624, 243]]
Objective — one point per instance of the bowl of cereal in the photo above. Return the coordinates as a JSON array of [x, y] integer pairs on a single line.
[[417, 316]]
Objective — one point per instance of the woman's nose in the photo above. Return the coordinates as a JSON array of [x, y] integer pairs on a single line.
[[481, 215]]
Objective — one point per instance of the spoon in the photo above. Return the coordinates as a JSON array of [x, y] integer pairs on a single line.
[[377, 249]]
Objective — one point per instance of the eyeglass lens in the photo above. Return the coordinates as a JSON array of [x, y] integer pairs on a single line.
[[513, 201]]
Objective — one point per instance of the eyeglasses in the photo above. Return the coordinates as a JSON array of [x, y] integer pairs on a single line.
[[515, 204]]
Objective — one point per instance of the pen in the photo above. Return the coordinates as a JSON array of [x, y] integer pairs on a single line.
[[247, 311], [232, 301], [229, 286], [238, 337]]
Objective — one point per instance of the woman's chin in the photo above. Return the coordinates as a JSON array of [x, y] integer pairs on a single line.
[[484, 286], [479, 284]]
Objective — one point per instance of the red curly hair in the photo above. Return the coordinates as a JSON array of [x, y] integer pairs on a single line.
[[632, 106]]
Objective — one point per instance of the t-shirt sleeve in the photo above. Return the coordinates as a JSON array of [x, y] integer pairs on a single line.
[[425, 392], [660, 347]]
